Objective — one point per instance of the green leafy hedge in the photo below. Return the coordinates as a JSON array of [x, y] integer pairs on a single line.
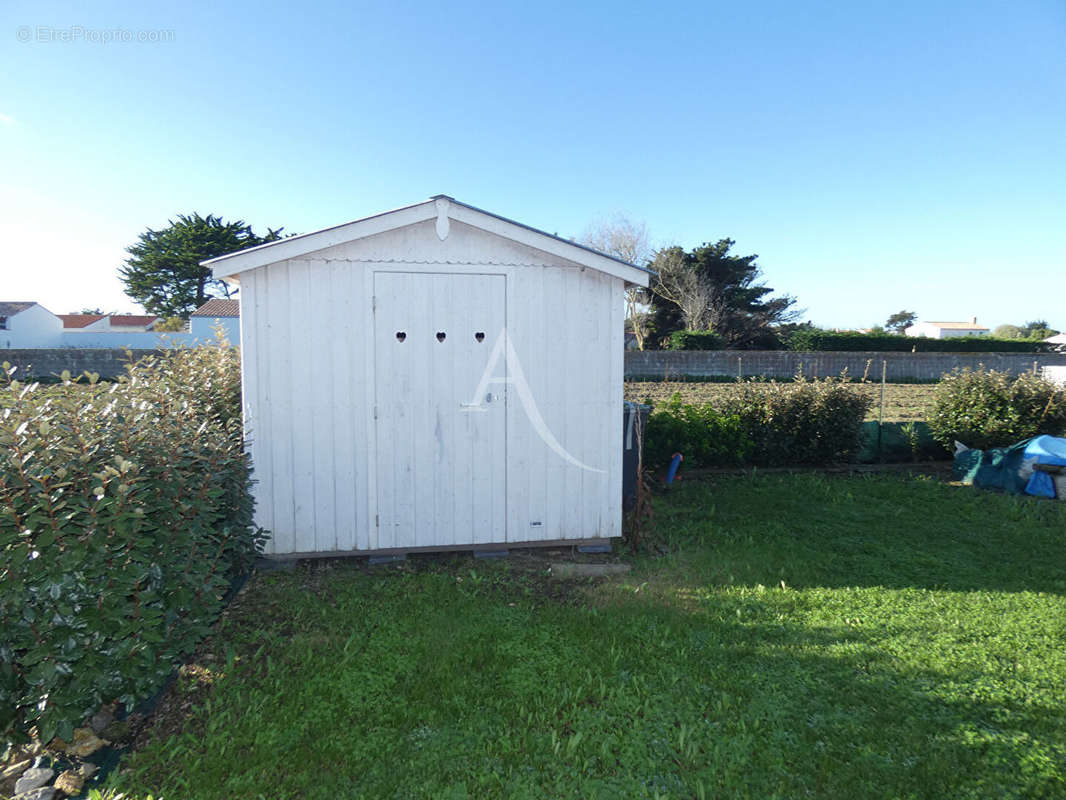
[[695, 340], [986, 408], [817, 340], [763, 424], [125, 513]]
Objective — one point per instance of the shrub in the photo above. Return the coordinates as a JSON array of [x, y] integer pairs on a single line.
[[819, 340], [986, 408], [705, 436], [124, 516], [800, 422], [695, 340], [762, 423]]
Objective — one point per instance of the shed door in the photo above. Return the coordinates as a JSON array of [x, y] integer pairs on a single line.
[[441, 451]]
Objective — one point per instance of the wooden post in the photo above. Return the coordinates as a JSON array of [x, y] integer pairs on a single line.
[[740, 368], [881, 410]]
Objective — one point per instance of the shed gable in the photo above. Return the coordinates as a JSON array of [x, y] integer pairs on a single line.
[[440, 214], [420, 244]]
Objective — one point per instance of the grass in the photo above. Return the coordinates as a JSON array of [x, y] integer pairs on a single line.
[[804, 636], [904, 402]]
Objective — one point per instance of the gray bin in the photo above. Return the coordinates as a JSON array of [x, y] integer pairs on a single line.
[[634, 420]]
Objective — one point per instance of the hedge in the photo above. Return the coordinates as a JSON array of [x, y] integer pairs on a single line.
[[125, 514], [695, 340], [987, 408], [762, 423], [815, 340]]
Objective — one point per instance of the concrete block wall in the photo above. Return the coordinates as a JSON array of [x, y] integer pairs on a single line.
[[50, 362], [782, 364]]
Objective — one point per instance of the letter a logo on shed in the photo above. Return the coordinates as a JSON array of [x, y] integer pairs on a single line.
[[516, 377]]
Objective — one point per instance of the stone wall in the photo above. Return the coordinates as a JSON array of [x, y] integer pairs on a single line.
[[49, 363], [648, 364], [670, 364]]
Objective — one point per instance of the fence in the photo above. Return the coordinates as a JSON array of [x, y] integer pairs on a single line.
[[783, 364]]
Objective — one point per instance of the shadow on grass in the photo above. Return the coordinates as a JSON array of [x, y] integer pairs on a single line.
[[463, 682]]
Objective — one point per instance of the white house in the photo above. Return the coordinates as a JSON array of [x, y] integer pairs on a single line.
[[946, 330], [28, 324], [434, 377], [31, 326], [215, 313], [1058, 338]]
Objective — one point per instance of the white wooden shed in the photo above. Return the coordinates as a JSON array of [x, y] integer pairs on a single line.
[[434, 377]]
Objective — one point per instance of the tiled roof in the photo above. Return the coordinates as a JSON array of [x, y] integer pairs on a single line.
[[11, 308], [218, 307], [79, 320], [132, 320]]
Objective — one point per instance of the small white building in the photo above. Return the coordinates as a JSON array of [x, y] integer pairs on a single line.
[[217, 312], [28, 324], [947, 330], [435, 377]]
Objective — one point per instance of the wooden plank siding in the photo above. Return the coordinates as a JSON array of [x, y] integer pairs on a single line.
[[307, 330]]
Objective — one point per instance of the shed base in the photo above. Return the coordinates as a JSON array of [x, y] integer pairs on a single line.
[[444, 548]]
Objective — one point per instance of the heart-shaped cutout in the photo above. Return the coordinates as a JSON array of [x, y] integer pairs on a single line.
[[440, 336]]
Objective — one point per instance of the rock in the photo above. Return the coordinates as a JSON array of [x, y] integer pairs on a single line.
[[43, 793], [101, 719], [116, 731], [566, 570], [87, 769], [85, 743], [70, 782], [32, 779], [15, 769]]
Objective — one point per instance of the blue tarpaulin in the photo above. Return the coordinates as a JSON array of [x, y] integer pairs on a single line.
[[1011, 468], [1044, 450]]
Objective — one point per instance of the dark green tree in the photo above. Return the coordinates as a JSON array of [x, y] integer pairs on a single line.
[[1038, 329], [163, 272], [729, 298], [900, 321]]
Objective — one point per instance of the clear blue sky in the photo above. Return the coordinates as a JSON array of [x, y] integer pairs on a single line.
[[876, 156]]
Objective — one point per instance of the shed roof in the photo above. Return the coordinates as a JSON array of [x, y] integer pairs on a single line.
[[10, 308], [218, 307], [442, 207]]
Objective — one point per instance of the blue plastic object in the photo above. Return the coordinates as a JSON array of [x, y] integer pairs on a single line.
[[671, 473], [1045, 450]]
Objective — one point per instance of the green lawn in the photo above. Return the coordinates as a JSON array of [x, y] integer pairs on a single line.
[[804, 637]]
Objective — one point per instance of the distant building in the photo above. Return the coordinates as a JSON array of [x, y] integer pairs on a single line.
[[30, 325], [214, 313], [27, 324], [947, 330]]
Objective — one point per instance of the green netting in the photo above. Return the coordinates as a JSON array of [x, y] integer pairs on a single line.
[[898, 442]]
